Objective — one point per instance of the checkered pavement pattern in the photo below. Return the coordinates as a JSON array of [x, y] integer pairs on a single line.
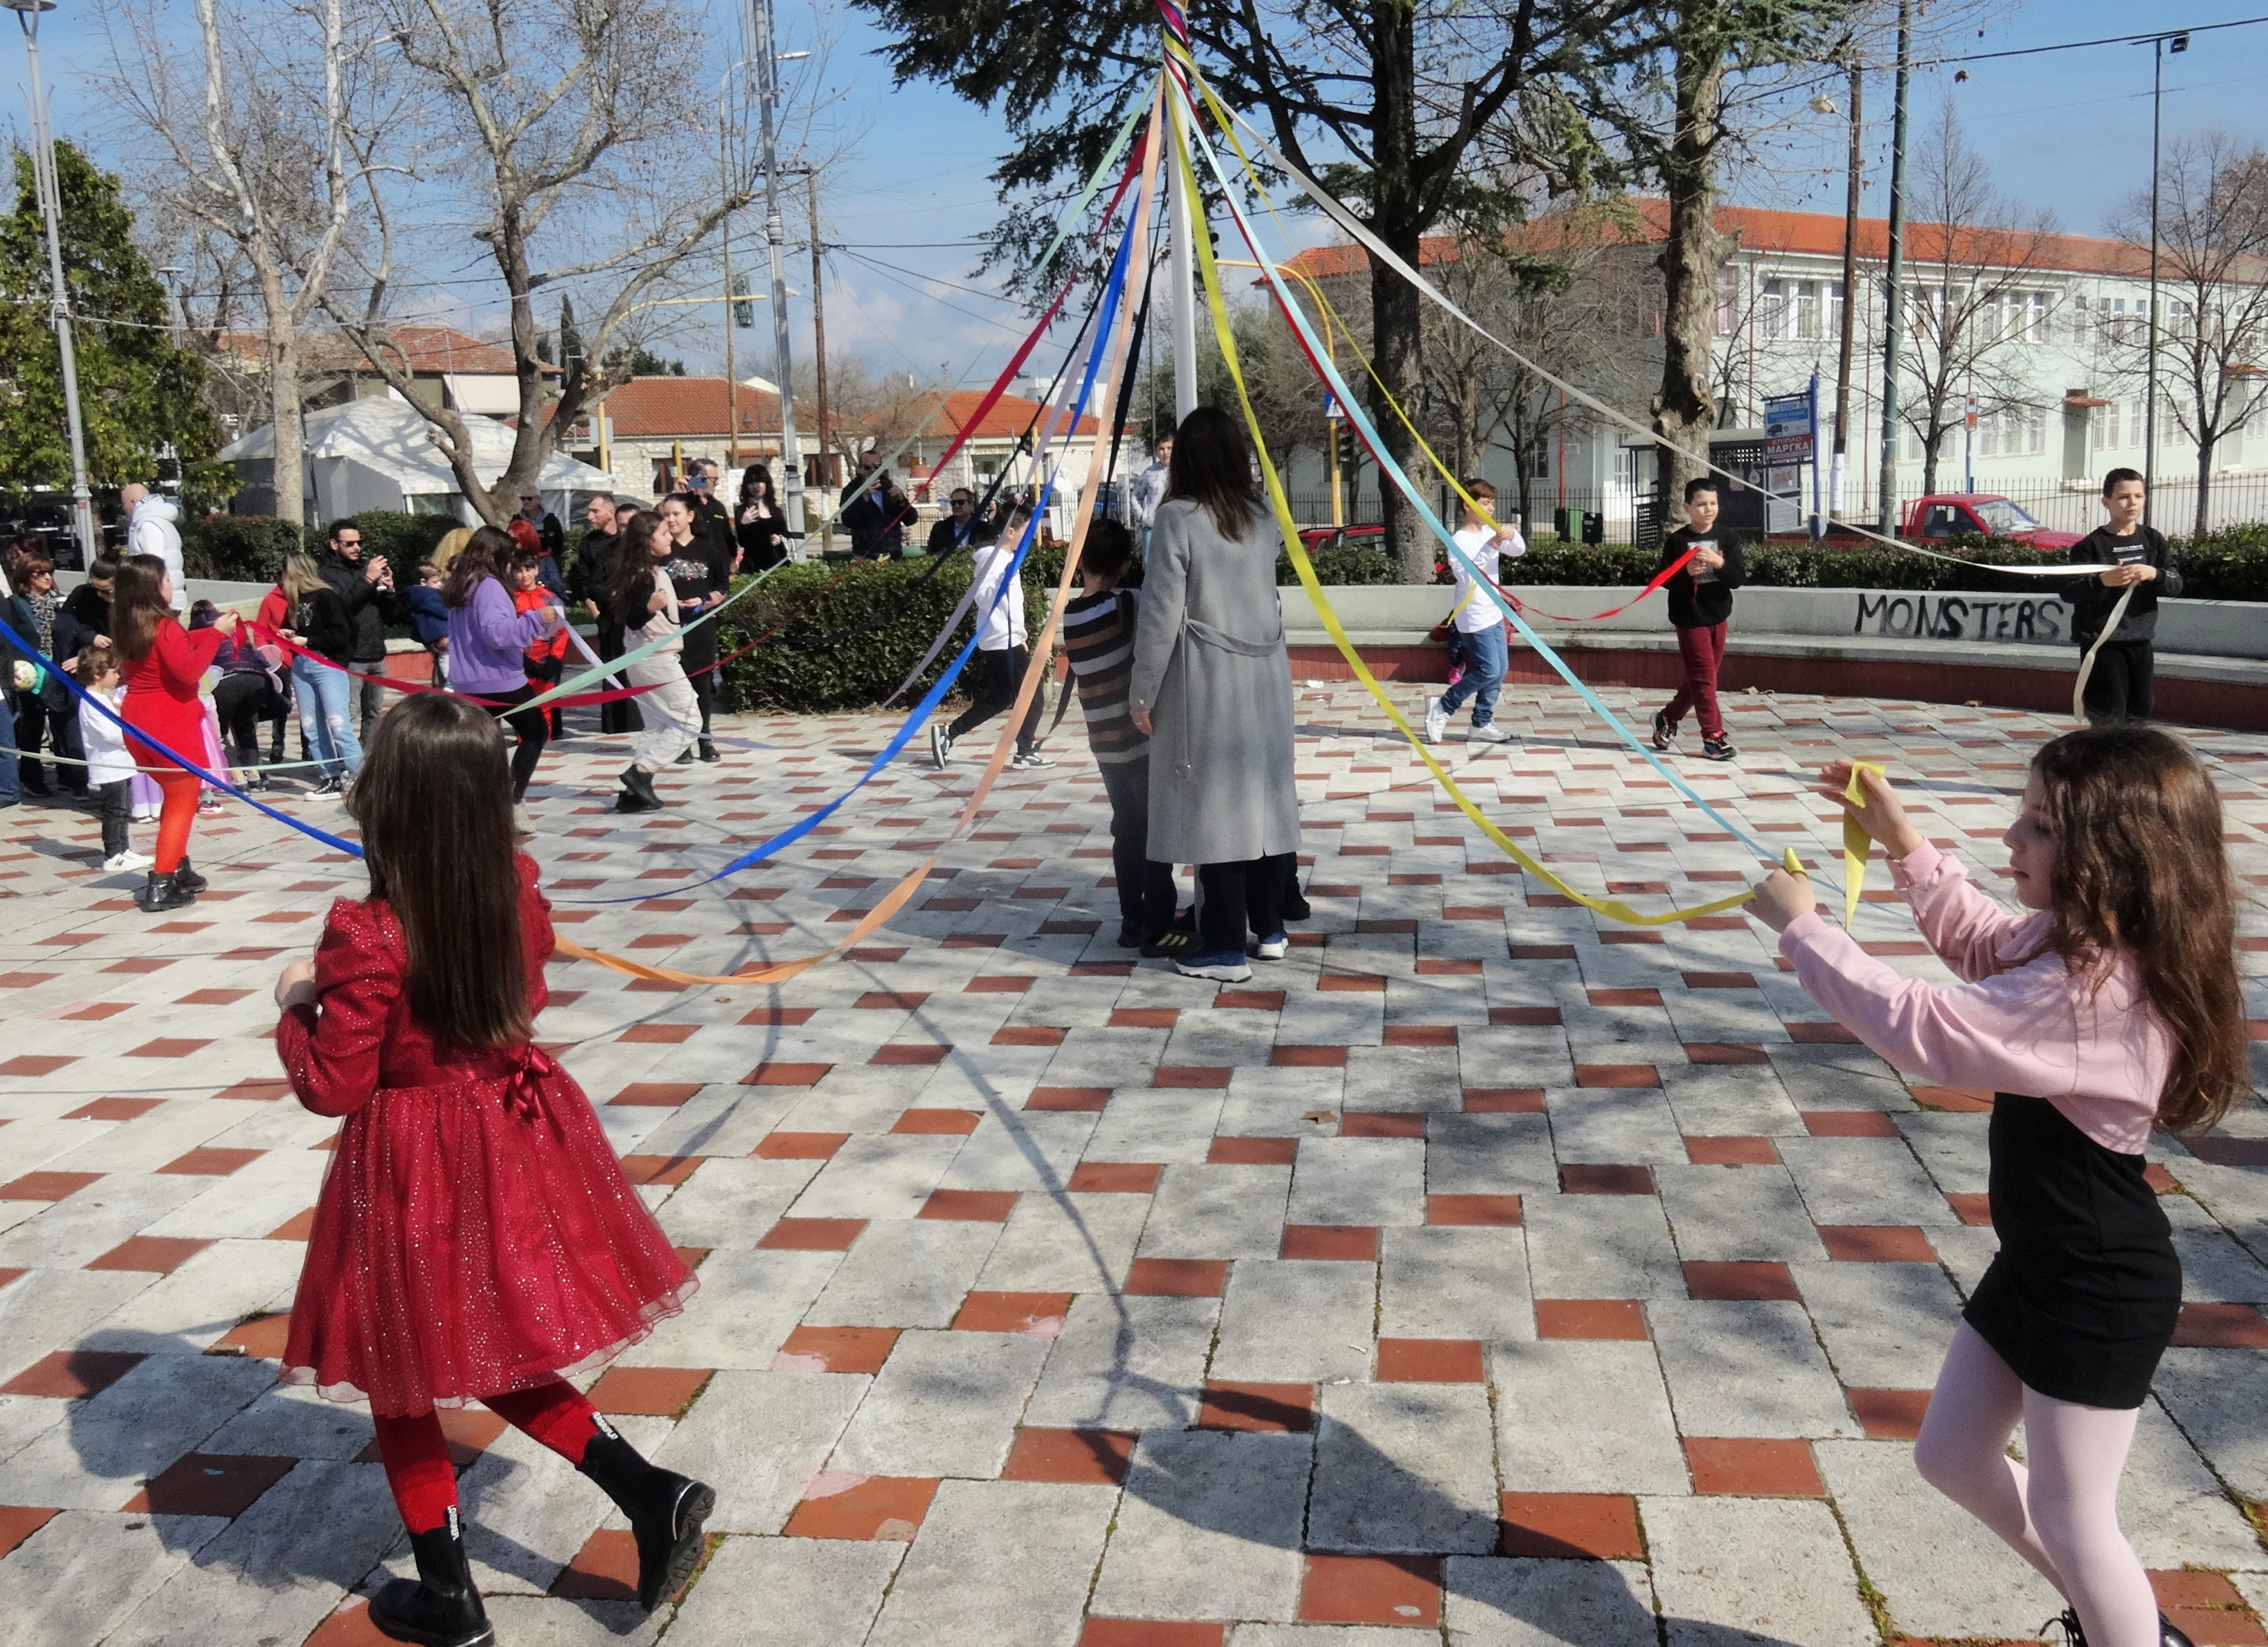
[[1481, 1273]]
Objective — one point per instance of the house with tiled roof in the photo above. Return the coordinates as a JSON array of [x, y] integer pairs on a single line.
[[447, 368], [645, 431]]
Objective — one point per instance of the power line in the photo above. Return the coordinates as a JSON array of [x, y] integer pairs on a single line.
[[2075, 45]]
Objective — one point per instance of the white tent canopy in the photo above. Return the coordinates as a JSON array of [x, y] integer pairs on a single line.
[[379, 454]]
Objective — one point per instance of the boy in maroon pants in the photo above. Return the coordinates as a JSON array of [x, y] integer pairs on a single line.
[[1700, 605]]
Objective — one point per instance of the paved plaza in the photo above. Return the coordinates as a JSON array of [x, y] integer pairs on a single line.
[[1482, 1273]]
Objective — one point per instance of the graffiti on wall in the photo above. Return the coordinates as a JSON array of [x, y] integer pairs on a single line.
[[2029, 620]]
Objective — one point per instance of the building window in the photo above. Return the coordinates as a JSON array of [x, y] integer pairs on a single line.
[[2036, 429], [1834, 308], [1625, 468], [1729, 291], [1775, 309], [1912, 448], [2106, 427], [2078, 319], [1806, 308]]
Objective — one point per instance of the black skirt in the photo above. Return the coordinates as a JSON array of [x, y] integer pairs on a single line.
[[2082, 1298]]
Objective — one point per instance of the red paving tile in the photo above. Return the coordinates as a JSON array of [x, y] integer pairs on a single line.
[[1150, 1632], [1960, 1100], [1034, 1314], [786, 1076], [1724, 1053], [1382, 1124], [1501, 1211], [838, 1505], [1095, 1457], [2217, 1628], [1889, 1414], [2188, 1588], [45, 1186], [34, 1065], [980, 1206], [19, 1522], [657, 1094], [649, 1392], [1972, 1209], [1616, 1076], [1590, 1317], [1125, 1178], [1199, 1076], [837, 1349], [1580, 1526], [913, 1053], [604, 1569], [1079, 1100], [113, 1109], [1254, 1152], [1421, 1035], [1145, 1017], [1431, 1360], [812, 1235], [1579, 1179], [1238, 1403], [661, 1169], [1370, 1590], [1728, 1150], [1753, 1469], [1625, 997], [1518, 1017], [168, 1047], [210, 1484], [264, 1088], [800, 1145], [2220, 1327], [158, 1254], [1176, 1278], [777, 1018], [1345, 1243], [1248, 1000], [1504, 1101], [1805, 1034], [660, 1034], [261, 1338], [1849, 1124], [1739, 1280], [72, 1373], [1877, 1244]]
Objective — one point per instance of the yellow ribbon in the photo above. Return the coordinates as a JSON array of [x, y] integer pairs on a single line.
[[1856, 842], [1613, 909]]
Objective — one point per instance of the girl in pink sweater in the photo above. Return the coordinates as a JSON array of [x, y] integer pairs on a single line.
[[2111, 1009]]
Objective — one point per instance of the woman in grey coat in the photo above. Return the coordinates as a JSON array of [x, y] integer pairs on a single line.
[[1211, 677]]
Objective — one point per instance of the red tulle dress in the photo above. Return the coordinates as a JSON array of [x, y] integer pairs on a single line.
[[474, 1234], [161, 692]]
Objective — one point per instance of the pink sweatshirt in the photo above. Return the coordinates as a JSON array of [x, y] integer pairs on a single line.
[[2099, 1056]]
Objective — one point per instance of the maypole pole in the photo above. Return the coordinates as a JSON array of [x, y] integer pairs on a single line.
[[1180, 215]]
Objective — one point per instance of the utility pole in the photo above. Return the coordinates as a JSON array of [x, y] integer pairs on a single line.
[[775, 232], [2158, 47], [819, 344], [732, 310], [43, 176], [1886, 514], [1849, 291], [1180, 218]]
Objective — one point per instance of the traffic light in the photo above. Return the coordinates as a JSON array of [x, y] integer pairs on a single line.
[[1349, 448], [744, 306]]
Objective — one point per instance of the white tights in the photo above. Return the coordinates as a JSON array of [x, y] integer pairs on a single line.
[[2061, 1514]]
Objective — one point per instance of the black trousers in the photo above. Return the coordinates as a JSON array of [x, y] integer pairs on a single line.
[[372, 695], [42, 724], [2121, 687], [1004, 676], [622, 714], [242, 701], [1146, 890], [117, 808], [1234, 897], [528, 726]]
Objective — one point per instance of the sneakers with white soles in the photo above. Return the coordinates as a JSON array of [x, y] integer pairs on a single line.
[[1436, 720], [1489, 733]]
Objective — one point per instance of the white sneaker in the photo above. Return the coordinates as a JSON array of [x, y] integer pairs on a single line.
[[1489, 733], [940, 745], [1031, 763], [1436, 720], [1270, 948], [126, 862], [521, 822]]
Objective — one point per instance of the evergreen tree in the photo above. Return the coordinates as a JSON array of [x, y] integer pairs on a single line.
[[137, 391], [570, 341]]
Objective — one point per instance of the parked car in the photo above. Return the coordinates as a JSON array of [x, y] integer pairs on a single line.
[[1947, 514], [1316, 539]]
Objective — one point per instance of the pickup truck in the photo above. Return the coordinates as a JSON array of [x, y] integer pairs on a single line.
[[1946, 514]]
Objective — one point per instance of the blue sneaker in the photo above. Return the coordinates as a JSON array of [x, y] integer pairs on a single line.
[[1270, 948], [1227, 966]]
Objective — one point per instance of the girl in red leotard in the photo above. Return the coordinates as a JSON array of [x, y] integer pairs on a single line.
[[474, 1238], [163, 664]]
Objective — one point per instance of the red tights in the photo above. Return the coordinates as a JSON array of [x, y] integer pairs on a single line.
[[415, 1452], [177, 814]]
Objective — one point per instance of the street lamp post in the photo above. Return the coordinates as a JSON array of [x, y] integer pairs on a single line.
[[43, 174], [2159, 46], [767, 66], [1886, 496]]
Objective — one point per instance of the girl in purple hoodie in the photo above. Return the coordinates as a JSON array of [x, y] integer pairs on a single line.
[[487, 641]]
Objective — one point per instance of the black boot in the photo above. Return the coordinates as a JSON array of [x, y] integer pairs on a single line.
[[441, 1609], [162, 892], [709, 752], [665, 1513], [685, 759], [637, 793], [2170, 1634], [188, 879]]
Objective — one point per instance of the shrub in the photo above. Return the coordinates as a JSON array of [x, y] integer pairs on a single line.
[[2227, 564], [842, 646], [238, 548]]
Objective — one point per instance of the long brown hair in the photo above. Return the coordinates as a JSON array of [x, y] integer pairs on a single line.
[[1212, 466], [485, 555], [2139, 867], [434, 802], [137, 606], [633, 559], [302, 578]]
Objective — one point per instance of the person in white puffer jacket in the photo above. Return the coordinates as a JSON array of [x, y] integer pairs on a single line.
[[152, 530]]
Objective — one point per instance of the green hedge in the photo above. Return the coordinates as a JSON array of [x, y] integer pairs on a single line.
[[250, 548], [793, 672]]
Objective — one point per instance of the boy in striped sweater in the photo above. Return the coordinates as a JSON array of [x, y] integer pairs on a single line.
[[1098, 632]]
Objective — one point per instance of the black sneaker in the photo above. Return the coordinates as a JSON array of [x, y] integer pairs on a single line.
[[1718, 750], [1665, 729], [1170, 942]]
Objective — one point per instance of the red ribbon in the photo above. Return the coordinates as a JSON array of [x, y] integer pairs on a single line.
[[523, 1093]]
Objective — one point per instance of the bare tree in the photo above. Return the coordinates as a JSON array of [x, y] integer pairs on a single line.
[[567, 123], [287, 95], [2212, 336], [1977, 263]]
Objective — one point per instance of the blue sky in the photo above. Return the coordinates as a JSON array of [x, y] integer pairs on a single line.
[[2067, 131]]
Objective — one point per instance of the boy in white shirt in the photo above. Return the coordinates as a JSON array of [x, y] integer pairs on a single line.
[[1001, 654], [1479, 624], [109, 768]]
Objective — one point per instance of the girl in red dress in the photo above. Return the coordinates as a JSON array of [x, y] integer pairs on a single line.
[[475, 1239], [165, 664]]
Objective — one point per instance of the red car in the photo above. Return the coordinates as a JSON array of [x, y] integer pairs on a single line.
[[1947, 514], [1314, 539]]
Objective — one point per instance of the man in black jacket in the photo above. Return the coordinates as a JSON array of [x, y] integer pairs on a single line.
[[363, 585], [877, 520], [961, 529], [2120, 686], [587, 583], [1700, 606]]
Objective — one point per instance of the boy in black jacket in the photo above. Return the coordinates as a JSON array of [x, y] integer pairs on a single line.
[[2120, 686], [1700, 606]]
